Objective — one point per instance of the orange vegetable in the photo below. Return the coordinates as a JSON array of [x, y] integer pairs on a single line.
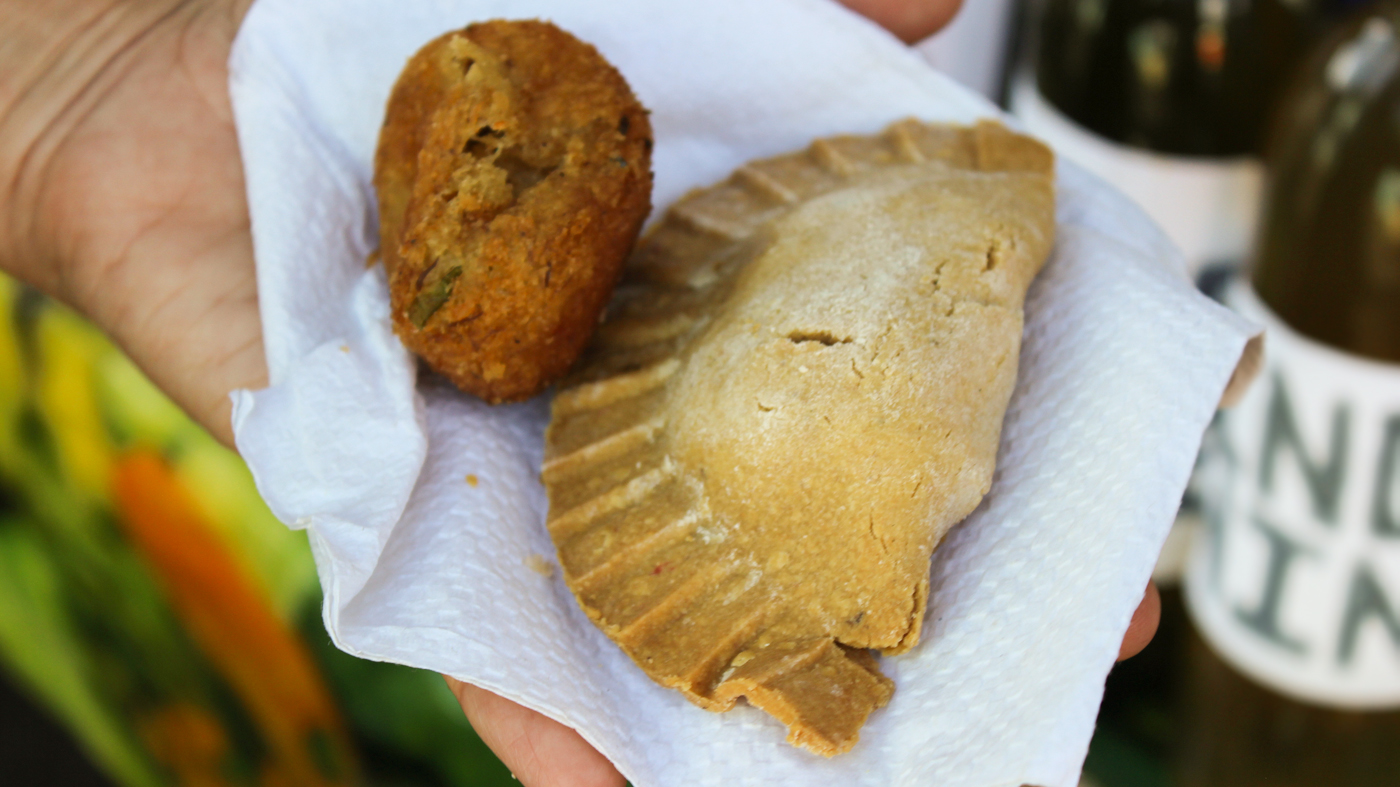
[[190, 742], [264, 662]]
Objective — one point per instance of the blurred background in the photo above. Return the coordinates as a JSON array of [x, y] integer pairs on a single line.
[[159, 627]]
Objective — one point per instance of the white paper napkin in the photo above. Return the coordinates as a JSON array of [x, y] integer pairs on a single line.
[[1122, 366]]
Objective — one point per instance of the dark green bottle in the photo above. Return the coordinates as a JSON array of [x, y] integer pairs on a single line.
[[1173, 76], [1294, 680], [1329, 256], [1169, 101]]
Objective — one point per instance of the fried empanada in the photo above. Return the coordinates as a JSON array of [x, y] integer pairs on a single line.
[[798, 390]]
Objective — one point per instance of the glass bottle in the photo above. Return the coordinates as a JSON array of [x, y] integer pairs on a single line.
[[1295, 586], [1167, 100]]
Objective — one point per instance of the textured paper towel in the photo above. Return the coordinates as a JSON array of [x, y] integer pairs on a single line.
[[1121, 369]]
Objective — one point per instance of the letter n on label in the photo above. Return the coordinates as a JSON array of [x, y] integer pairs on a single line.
[[1324, 479]]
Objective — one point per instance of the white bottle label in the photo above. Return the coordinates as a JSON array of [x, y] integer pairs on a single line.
[[1208, 207], [1295, 580]]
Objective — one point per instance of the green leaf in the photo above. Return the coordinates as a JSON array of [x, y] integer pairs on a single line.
[[136, 410], [38, 643]]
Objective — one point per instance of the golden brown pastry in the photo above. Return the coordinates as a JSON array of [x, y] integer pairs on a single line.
[[513, 173], [798, 390]]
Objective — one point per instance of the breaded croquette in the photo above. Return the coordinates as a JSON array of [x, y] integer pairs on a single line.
[[513, 173]]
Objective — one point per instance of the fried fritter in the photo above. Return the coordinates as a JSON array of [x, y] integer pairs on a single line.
[[514, 173]]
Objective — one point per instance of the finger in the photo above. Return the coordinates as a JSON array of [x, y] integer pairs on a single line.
[[910, 20], [1143, 624], [539, 751]]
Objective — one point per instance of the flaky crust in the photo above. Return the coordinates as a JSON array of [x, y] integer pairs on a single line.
[[513, 173]]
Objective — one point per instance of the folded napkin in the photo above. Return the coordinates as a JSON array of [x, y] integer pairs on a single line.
[[423, 505]]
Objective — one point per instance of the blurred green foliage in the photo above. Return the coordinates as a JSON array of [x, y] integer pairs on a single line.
[[89, 625]]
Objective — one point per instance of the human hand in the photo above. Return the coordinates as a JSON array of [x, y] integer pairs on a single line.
[[122, 194], [1143, 625], [122, 189], [910, 20]]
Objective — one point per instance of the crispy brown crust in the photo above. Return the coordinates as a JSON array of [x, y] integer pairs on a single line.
[[514, 173]]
